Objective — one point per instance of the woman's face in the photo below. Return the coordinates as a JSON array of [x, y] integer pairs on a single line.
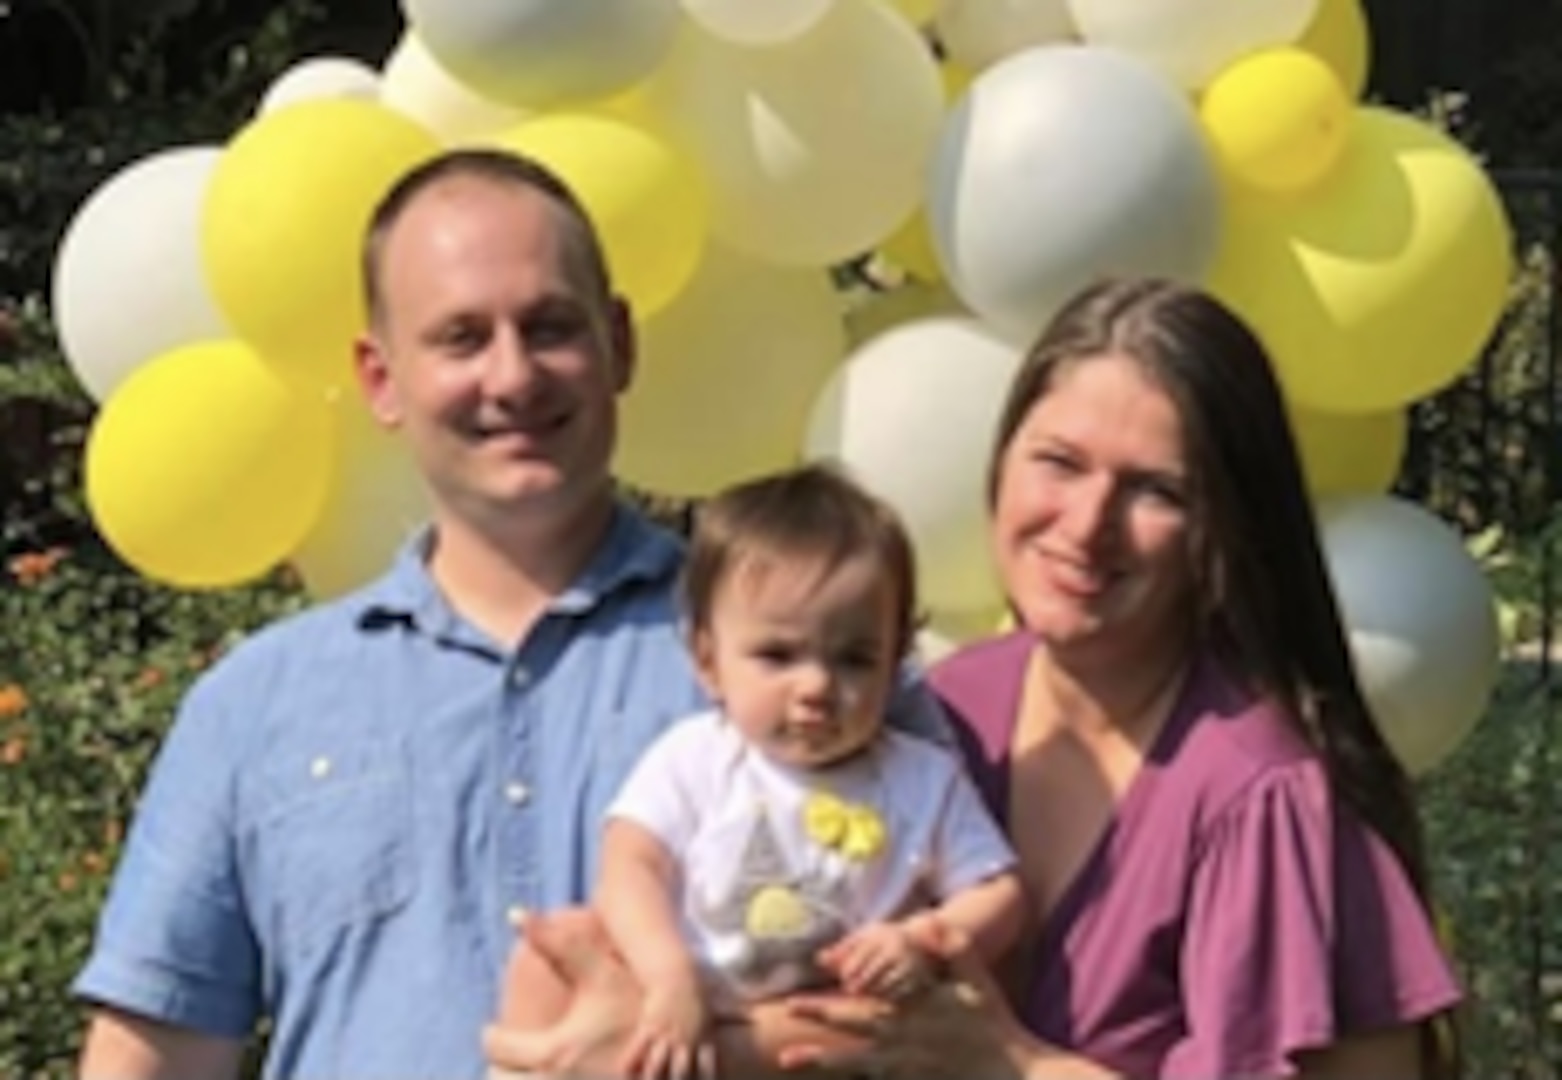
[[1091, 519]]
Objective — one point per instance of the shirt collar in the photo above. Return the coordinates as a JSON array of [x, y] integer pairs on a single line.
[[633, 550]]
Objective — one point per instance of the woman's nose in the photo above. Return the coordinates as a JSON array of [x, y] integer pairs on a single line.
[[1090, 515]]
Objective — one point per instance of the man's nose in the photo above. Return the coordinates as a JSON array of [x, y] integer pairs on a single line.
[[509, 368]]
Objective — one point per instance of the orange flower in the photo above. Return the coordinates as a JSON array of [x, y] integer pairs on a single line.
[[13, 701], [93, 862], [33, 566], [149, 679], [13, 750], [67, 881]]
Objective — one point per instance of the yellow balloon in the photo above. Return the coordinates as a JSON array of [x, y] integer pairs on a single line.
[[1338, 35], [1277, 119], [284, 221], [1356, 454], [647, 202], [1380, 285], [727, 375], [910, 248], [206, 467]]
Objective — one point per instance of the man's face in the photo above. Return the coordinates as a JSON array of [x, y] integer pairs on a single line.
[[498, 360]]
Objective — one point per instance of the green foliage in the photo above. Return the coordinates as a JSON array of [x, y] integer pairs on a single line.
[[50, 163]]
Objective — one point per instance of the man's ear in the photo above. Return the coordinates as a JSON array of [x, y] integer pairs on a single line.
[[372, 366], [622, 343]]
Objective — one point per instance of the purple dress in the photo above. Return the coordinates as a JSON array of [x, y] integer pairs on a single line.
[[1230, 915]]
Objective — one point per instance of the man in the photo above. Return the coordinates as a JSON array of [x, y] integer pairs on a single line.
[[352, 806]]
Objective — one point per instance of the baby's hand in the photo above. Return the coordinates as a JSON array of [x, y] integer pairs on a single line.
[[672, 1041], [882, 959]]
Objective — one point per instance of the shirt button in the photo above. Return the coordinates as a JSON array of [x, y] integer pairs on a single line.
[[520, 678], [517, 793]]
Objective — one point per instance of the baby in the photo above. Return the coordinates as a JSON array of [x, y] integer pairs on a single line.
[[787, 839]]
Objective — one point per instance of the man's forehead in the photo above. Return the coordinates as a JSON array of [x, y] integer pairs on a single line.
[[448, 200]]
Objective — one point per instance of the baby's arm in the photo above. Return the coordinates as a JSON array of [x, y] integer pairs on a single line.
[[894, 959], [991, 913], [635, 897]]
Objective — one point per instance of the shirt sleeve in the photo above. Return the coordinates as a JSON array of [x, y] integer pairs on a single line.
[[969, 847], [174, 942], [1302, 928]]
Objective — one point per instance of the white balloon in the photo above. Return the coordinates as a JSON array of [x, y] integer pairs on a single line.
[[1421, 619], [536, 53], [1059, 165], [727, 374], [320, 78], [414, 84], [979, 33], [1190, 41], [758, 22], [377, 502], [128, 283], [814, 149], [912, 415]]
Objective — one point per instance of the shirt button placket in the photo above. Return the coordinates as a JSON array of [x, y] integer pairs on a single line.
[[521, 854]]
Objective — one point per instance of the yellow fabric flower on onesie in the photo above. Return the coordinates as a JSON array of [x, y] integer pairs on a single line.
[[854, 830]]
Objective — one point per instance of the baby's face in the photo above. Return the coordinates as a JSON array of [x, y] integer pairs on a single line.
[[802, 657]]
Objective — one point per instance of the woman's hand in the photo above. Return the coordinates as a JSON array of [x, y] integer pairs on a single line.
[[604, 1003], [959, 1026]]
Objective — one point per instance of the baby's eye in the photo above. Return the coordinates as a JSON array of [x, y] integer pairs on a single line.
[[775, 654]]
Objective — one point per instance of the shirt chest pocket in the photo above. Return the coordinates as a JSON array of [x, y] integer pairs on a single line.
[[337, 847]]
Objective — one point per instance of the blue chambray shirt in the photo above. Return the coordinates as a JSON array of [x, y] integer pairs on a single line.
[[351, 802]]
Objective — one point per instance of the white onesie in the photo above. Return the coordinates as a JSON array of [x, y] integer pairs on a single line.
[[779, 861]]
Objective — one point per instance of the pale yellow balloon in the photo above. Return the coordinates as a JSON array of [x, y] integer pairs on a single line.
[[814, 149], [917, 12], [1382, 284], [206, 467], [1350, 454], [414, 84], [283, 226], [376, 502], [1339, 35], [646, 200], [1277, 120], [727, 374]]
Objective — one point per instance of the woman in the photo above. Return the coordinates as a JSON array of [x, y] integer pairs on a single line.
[[1222, 853]]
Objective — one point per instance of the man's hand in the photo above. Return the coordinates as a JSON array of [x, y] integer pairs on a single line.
[[604, 1004]]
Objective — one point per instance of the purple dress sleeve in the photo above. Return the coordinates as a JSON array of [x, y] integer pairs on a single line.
[[1301, 927]]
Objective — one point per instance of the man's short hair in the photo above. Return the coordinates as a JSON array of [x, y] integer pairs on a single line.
[[582, 246]]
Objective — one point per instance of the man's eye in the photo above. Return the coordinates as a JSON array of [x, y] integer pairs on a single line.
[[552, 331], [461, 338]]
